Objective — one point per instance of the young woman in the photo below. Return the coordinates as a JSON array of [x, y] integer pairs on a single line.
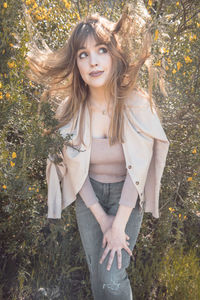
[[115, 160]]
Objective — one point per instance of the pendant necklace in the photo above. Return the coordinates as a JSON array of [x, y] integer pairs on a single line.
[[103, 111]]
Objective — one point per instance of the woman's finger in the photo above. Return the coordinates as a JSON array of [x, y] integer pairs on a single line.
[[128, 250], [119, 258], [105, 253], [110, 261], [104, 242], [127, 237]]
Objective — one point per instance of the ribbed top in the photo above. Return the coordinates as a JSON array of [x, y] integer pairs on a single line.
[[107, 163]]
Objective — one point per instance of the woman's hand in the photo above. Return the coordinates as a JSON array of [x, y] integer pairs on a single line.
[[116, 240]]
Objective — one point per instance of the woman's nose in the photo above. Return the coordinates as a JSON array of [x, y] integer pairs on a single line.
[[93, 60]]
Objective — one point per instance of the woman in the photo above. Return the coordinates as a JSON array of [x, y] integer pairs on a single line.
[[114, 163]]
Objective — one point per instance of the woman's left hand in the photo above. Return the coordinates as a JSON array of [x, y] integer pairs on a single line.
[[116, 240]]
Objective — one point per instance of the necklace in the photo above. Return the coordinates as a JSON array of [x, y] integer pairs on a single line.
[[103, 111]]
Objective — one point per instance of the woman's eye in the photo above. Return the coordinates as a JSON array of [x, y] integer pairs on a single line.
[[82, 54], [103, 50]]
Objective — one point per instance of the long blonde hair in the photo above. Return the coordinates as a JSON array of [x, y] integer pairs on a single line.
[[53, 68]]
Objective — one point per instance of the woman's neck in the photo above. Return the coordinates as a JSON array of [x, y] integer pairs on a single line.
[[98, 97]]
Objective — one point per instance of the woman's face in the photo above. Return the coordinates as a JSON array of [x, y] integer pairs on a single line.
[[94, 63]]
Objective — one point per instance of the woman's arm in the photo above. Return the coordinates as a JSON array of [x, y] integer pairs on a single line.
[[105, 221], [91, 201], [122, 217], [115, 237], [113, 227]]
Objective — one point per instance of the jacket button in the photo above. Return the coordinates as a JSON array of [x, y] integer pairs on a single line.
[[137, 182], [129, 166]]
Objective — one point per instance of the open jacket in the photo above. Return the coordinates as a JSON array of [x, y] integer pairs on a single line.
[[145, 149]]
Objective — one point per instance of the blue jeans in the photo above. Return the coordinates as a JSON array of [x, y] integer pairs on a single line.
[[113, 284]]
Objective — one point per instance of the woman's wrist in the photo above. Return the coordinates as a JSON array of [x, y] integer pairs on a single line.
[[122, 217], [99, 213]]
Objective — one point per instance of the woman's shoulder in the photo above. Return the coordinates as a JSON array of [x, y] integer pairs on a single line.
[[137, 98]]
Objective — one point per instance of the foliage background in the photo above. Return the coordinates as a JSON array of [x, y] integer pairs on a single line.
[[43, 259]]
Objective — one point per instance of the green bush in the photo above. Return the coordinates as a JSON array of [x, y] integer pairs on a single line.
[[179, 276], [43, 259]]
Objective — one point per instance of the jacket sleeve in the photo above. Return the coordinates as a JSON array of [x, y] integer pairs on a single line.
[[147, 121], [129, 193], [54, 176]]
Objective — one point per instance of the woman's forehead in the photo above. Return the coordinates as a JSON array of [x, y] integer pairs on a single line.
[[86, 33], [91, 39]]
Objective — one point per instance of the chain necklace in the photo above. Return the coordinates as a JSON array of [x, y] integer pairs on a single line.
[[103, 111]]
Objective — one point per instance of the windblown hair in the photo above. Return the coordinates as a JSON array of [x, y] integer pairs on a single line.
[[59, 72]]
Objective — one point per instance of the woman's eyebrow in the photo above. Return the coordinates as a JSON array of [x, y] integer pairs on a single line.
[[81, 48]]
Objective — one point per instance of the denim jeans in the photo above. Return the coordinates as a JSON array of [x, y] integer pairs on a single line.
[[113, 284]]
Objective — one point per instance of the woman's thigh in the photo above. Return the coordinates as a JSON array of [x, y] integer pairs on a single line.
[[132, 230], [90, 231]]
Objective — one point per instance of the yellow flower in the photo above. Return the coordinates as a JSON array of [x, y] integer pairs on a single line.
[[0, 85], [177, 3], [1, 95], [185, 217], [166, 68], [171, 209], [67, 4], [5, 5], [189, 179], [150, 2], [187, 59], [169, 60], [198, 24], [37, 190], [14, 155], [7, 95], [174, 71], [11, 64], [12, 164], [158, 63], [194, 151], [179, 216], [78, 16], [179, 65], [156, 35], [11, 45], [4, 187], [192, 37], [29, 188], [195, 174]]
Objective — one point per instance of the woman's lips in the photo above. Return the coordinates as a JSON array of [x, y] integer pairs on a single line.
[[96, 74]]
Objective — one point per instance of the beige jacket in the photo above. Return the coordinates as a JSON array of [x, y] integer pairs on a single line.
[[145, 149]]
